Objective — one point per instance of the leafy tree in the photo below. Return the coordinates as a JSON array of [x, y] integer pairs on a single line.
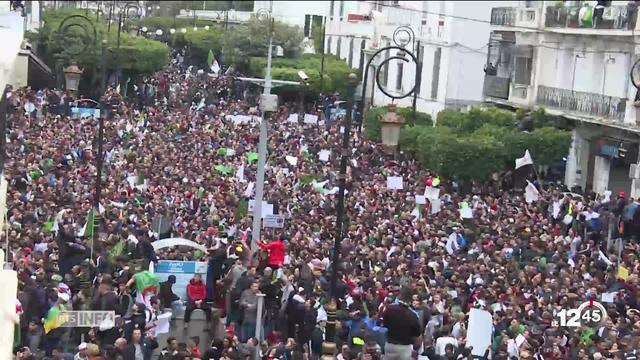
[[474, 144], [287, 36], [136, 53]]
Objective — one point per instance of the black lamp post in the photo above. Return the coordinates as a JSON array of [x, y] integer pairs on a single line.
[[329, 346], [402, 36]]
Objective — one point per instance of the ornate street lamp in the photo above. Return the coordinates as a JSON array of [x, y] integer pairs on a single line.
[[72, 75], [402, 37], [391, 123], [82, 26]]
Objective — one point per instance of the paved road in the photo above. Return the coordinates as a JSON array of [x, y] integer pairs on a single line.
[[196, 327]]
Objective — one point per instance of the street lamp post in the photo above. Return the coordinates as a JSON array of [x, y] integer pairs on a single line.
[[402, 36], [329, 347], [268, 103], [99, 160]]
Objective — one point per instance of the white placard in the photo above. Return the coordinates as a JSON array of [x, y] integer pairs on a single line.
[[310, 119], [267, 209], [394, 182], [293, 118], [162, 324], [421, 199], [608, 297], [273, 221], [432, 193], [435, 206], [466, 213], [292, 160], [479, 331], [323, 155]]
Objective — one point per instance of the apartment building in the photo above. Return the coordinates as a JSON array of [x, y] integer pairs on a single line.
[[450, 44], [551, 54]]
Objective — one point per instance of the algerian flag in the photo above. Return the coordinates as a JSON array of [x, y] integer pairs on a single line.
[[140, 179], [319, 186], [242, 210], [224, 169], [213, 63], [200, 192], [222, 151], [252, 156], [147, 285], [89, 227], [210, 58], [307, 179]]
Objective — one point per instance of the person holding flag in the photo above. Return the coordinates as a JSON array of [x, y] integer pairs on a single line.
[[147, 285]]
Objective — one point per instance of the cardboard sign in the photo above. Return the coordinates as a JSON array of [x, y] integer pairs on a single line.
[[479, 331], [394, 182], [273, 221]]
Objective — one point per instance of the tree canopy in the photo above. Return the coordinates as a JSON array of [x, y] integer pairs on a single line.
[[475, 144], [136, 53]]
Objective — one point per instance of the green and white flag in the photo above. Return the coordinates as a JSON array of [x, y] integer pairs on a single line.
[[224, 169], [251, 157], [89, 227]]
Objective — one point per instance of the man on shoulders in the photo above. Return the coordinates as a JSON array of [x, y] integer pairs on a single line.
[[404, 328]]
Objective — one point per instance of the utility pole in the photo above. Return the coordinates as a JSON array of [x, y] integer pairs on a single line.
[[268, 103]]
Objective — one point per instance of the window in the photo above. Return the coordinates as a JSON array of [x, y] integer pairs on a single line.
[[435, 77], [523, 70], [385, 68], [350, 62], [399, 76], [331, 8], [328, 51], [307, 25], [419, 69], [341, 9], [361, 66], [339, 46]]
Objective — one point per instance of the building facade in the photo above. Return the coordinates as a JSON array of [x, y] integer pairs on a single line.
[[450, 45], [552, 54]]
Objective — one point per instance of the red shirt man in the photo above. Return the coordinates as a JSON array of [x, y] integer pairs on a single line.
[[276, 251], [196, 289]]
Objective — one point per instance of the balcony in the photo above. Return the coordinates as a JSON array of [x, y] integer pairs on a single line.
[[496, 87], [514, 16], [503, 16], [583, 103], [613, 18]]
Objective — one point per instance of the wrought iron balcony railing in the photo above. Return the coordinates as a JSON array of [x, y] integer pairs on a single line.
[[590, 104]]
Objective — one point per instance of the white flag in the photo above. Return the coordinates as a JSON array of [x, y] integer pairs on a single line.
[[531, 193], [248, 192], [524, 161], [240, 173]]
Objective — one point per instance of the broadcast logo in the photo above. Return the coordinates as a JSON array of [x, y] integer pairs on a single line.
[[589, 313], [86, 319]]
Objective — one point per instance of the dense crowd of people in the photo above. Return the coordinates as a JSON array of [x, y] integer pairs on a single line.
[[183, 147]]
